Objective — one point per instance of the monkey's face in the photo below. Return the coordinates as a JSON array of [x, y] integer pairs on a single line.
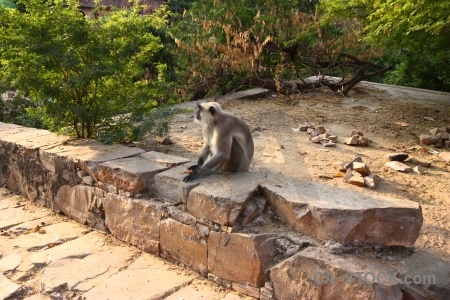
[[207, 112]]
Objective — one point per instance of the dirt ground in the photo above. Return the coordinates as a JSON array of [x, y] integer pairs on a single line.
[[373, 109]]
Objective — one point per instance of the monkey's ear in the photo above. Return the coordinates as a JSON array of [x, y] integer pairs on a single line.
[[212, 110], [199, 105]]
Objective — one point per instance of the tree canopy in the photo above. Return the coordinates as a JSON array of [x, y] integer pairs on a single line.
[[86, 73]]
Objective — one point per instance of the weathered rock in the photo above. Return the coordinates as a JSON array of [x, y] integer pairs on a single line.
[[10, 262], [15, 215], [327, 212], [425, 276], [361, 168], [246, 289], [184, 244], [348, 175], [303, 127], [369, 181], [147, 278], [426, 139], [254, 253], [318, 139], [134, 221], [357, 180], [86, 269], [253, 209], [80, 204], [222, 198], [88, 180], [398, 166], [310, 130], [320, 129], [131, 174], [329, 144], [363, 141], [165, 159], [418, 169], [333, 138], [180, 216], [420, 161], [396, 156], [350, 164], [434, 131], [443, 136], [356, 132], [316, 274], [87, 154], [445, 156], [353, 140], [170, 185], [7, 287]]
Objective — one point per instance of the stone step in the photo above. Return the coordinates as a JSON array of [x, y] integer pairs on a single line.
[[343, 215], [317, 274]]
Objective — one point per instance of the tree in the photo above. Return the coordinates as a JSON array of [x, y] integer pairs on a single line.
[[87, 74], [228, 45], [413, 36]]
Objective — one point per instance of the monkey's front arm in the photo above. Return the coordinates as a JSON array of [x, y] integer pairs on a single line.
[[215, 161]]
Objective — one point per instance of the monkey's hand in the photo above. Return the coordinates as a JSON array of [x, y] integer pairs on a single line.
[[193, 167], [193, 175]]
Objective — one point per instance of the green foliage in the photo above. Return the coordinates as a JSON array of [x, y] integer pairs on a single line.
[[157, 122], [85, 73], [413, 36]]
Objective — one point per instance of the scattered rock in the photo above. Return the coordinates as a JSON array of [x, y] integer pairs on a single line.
[[340, 166], [357, 138], [396, 156], [348, 175], [357, 180], [418, 169], [398, 166], [167, 141], [369, 181], [445, 156], [333, 138], [361, 168], [420, 162], [350, 164], [426, 139]]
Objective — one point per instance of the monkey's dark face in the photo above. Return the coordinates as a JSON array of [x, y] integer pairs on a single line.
[[198, 115]]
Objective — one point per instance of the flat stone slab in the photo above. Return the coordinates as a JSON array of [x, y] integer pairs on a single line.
[[7, 287], [346, 216], [55, 233], [240, 257], [131, 174], [148, 277], [170, 185], [8, 126], [84, 269], [10, 217], [89, 154], [221, 198], [10, 262], [165, 159], [398, 166], [32, 138], [317, 274], [134, 221]]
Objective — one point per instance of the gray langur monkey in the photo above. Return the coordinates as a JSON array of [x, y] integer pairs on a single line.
[[228, 143]]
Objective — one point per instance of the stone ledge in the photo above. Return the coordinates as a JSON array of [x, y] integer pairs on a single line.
[[222, 198], [134, 221], [240, 257], [346, 216]]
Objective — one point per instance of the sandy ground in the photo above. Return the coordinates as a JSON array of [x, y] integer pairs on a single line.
[[372, 109]]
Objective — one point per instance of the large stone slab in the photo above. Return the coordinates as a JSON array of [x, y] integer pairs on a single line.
[[316, 274], [240, 257], [134, 221], [88, 154], [184, 243], [147, 278], [84, 270], [7, 287], [80, 204], [163, 158], [52, 234], [12, 216], [133, 174], [32, 138], [221, 198], [327, 212], [170, 185]]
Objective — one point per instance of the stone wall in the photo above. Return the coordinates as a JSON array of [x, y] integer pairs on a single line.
[[262, 234]]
